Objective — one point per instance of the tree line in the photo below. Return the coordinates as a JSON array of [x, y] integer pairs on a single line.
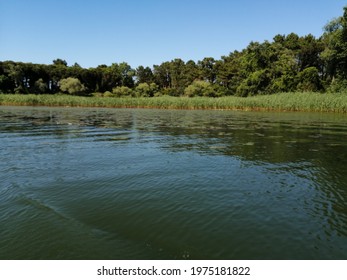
[[288, 63]]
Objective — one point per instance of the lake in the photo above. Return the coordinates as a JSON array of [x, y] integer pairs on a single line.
[[87, 183]]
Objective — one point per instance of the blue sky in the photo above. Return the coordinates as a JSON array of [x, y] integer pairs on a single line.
[[149, 32]]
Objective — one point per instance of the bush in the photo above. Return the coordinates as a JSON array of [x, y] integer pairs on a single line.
[[200, 88], [122, 91], [97, 94], [146, 90], [72, 86], [338, 86], [169, 92], [108, 94]]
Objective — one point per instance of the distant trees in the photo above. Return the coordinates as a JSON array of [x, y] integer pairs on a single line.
[[59, 62], [144, 75], [334, 55], [287, 63]]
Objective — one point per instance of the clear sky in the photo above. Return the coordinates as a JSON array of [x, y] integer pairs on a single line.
[[147, 32]]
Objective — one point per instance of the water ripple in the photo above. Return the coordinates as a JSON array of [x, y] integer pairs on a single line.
[[132, 184]]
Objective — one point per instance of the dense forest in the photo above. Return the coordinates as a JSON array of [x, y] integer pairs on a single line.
[[288, 63]]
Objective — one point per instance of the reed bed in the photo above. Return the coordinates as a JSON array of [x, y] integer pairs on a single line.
[[310, 102]]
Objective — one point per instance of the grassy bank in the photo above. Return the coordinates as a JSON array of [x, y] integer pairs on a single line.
[[313, 102]]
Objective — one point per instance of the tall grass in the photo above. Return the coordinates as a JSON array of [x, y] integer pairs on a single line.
[[313, 102]]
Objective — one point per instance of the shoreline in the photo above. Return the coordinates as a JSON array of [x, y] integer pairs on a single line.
[[283, 102]]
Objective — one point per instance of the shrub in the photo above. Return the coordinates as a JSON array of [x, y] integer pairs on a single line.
[[200, 88], [146, 90], [72, 86], [338, 86], [97, 94], [169, 92], [122, 91], [108, 94]]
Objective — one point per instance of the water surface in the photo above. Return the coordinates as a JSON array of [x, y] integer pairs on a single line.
[[162, 184]]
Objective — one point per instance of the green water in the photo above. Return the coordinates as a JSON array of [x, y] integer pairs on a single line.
[[151, 184]]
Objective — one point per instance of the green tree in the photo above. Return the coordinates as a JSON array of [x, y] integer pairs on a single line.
[[127, 75], [334, 55], [91, 78], [115, 75], [309, 80], [122, 91], [309, 52], [283, 70], [208, 69], [40, 86], [190, 73], [16, 74], [162, 75], [144, 75], [229, 73], [57, 71], [256, 83], [60, 62], [177, 72], [146, 90], [72, 86], [6, 84], [200, 88]]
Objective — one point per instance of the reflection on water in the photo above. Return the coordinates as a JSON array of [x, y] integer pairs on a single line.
[[151, 184]]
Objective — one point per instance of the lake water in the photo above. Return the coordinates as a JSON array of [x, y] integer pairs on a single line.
[[151, 184]]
